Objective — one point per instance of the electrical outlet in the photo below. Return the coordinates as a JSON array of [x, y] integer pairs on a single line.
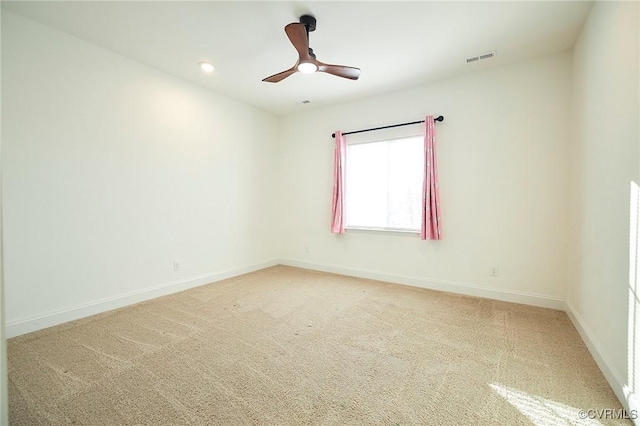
[[306, 250], [493, 271], [176, 265]]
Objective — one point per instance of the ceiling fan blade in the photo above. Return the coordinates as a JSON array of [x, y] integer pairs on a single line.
[[297, 33], [351, 73], [281, 75]]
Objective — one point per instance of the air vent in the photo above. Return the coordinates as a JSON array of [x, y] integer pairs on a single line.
[[482, 57]]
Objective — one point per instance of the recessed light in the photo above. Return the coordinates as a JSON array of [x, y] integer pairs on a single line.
[[206, 66]]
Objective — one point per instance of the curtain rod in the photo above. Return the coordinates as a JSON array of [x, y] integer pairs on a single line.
[[438, 118]]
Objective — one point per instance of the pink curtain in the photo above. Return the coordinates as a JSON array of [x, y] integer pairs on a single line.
[[430, 229], [337, 206]]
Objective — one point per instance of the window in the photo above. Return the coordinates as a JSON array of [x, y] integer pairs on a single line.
[[383, 188]]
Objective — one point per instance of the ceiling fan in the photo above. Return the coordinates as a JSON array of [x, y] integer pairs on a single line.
[[307, 63]]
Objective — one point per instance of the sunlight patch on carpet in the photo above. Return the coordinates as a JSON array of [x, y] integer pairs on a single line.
[[542, 411]]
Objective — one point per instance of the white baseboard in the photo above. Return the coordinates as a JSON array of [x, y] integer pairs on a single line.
[[28, 325], [617, 383], [435, 284], [49, 319]]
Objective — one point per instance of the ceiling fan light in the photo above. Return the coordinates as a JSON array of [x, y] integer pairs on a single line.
[[307, 67]]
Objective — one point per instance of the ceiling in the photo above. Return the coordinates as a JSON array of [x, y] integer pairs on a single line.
[[396, 44]]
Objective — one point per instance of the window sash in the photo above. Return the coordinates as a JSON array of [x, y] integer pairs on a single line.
[[375, 224]]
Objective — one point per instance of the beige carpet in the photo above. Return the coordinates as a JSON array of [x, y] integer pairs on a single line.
[[285, 346]]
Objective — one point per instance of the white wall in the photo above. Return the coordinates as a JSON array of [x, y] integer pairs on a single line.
[[605, 161], [503, 172], [4, 398], [113, 170]]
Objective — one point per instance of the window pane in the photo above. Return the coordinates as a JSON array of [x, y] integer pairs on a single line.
[[384, 184], [405, 183], [366, 187]]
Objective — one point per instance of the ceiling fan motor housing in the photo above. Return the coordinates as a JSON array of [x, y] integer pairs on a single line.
[[309, 22]]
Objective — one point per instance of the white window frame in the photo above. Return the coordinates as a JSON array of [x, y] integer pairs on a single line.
[[386, 230]]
